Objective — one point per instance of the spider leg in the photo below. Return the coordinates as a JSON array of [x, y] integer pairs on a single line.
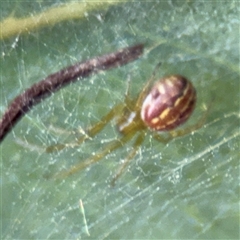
[[91, 132], [145, 90], [95, 129], [96, 157], [130, 156]]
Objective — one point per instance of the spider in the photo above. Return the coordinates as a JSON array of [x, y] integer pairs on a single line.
[[164, 107]]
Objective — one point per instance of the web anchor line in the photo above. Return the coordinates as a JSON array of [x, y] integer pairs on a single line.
[[52, 83]]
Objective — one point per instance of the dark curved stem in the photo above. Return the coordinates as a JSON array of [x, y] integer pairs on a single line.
[[43, 89]]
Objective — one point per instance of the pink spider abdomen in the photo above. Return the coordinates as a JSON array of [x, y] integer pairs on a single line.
[[169, 104]]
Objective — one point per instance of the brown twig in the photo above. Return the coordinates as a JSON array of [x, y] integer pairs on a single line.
[[43, 89]]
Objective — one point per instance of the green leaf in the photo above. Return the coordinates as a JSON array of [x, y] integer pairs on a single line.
[[187, 188]]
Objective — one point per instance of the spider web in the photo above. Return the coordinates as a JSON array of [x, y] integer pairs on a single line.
[[188, 188]]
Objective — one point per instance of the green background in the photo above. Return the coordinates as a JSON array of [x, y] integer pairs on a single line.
[[188, 188]]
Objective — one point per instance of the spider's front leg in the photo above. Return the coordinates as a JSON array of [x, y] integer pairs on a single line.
[[138, 142], [91, 132], [96, 157]]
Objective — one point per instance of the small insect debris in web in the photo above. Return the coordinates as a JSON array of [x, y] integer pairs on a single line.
[[84, 217], [41, 90]]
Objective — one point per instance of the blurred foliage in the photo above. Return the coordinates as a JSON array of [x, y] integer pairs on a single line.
[[188, 188]]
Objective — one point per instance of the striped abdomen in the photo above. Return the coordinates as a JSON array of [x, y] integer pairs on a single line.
[[169, 104]]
